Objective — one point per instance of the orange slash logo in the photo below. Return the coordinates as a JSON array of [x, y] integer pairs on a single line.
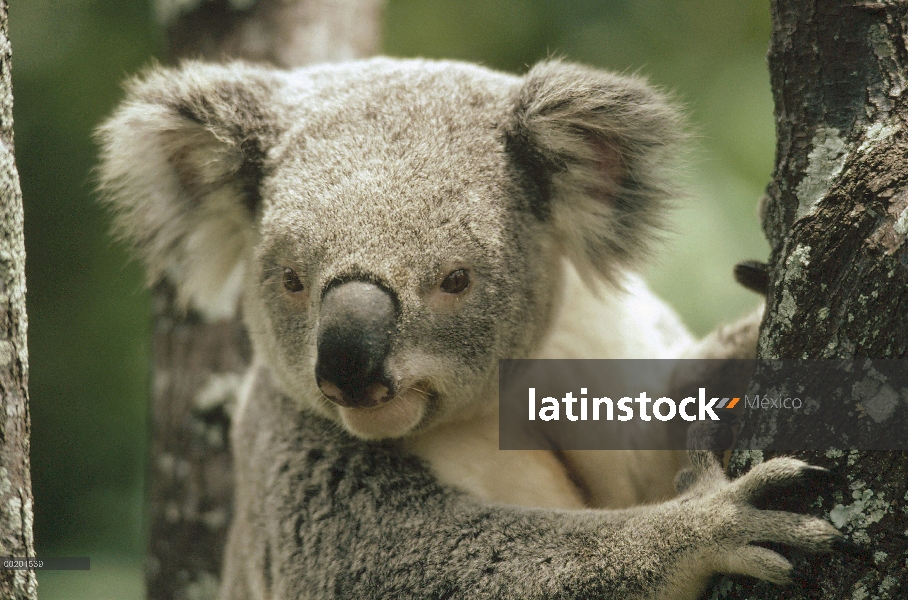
[[725, 401]]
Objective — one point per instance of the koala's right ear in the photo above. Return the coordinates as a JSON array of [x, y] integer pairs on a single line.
[[182, 160]]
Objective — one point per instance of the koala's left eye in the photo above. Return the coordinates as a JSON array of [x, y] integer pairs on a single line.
[[456, 281], [292, 281]]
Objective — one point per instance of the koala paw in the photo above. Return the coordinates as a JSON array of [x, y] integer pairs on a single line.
[[735, 524]]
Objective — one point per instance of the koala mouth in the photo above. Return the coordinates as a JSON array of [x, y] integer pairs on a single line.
[[393, 417], [372, 396]]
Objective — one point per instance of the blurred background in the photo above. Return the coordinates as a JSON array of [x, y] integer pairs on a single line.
[[88, 312]]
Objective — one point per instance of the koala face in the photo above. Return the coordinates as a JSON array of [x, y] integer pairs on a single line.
[[396, 227], [414, 232]]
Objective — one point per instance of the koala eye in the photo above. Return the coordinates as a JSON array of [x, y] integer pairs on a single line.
[[456, 281], [292, 281]]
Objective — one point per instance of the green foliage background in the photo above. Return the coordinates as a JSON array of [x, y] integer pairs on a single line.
[[88, 311]]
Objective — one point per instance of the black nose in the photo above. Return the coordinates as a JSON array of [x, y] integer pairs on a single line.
[[357, 324]]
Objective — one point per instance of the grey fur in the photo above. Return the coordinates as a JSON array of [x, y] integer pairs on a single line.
[[397, 172], [328, 516]]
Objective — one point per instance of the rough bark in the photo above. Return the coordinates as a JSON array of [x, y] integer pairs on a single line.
[[197, 364], [836, 216], [16, 516]]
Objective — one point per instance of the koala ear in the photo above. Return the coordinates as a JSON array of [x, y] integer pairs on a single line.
[[182, 160], [597, 149]]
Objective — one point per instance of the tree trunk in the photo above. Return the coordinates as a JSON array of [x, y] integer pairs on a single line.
[[198, 364], [16, 515], [836, 218]]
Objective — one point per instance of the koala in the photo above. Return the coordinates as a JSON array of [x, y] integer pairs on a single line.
[[390, 230]]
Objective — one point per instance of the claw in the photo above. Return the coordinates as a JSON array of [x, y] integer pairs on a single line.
[[754, 275], [853, 549], [818, 479], [817, 471], [797, 578]]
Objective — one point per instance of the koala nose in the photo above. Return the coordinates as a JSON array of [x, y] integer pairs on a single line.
[[357, 323]]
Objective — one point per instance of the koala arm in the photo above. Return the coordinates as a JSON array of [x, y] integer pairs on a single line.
[[323, 515], [736, 340]]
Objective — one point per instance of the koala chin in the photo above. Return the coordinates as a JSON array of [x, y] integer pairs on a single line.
[[392, 229]]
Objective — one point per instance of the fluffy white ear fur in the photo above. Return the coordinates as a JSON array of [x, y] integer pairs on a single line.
[[179, 163], [602, 147]]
